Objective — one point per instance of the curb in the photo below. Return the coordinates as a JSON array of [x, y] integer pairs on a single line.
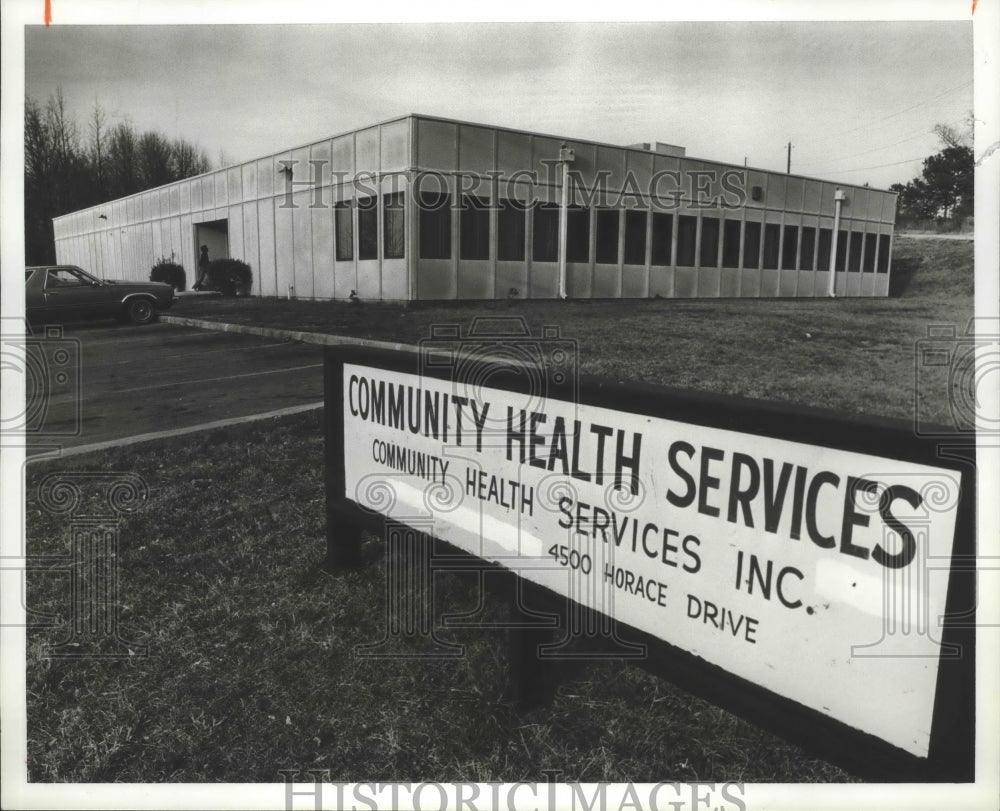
[[319, 338]]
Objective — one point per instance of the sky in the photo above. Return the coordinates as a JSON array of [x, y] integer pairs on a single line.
[[857, 100]]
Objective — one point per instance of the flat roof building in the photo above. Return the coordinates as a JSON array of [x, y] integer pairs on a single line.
[[426, 208]]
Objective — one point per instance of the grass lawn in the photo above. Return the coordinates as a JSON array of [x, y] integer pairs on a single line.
[[251, 664]]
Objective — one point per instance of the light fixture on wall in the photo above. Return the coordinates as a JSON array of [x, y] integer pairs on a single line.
[[286, 168], [102, 216]]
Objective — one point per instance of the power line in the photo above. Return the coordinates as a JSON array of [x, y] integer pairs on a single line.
[[900, 112], [880, 166]]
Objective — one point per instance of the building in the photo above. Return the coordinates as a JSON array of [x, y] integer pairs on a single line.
[[424, 208]]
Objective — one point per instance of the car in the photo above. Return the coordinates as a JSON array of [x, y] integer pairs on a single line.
[[56, 293]]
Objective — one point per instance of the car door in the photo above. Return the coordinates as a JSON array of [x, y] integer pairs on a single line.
[[70, 295]]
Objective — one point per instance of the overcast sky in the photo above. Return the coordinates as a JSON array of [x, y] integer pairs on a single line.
[[858, 100]]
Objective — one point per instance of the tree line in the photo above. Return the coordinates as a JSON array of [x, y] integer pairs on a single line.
[[66, 168], [945, 190]]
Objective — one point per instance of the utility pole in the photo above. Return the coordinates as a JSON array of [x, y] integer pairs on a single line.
[[788, 167]]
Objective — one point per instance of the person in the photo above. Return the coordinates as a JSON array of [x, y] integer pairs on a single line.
[[203, 262]]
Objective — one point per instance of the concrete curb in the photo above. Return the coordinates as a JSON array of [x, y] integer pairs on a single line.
[[319, 338]]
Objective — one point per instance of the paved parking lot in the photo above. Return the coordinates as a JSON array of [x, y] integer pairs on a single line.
[[123, 381]]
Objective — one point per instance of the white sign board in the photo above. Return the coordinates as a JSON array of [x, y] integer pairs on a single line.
[[816, 573]]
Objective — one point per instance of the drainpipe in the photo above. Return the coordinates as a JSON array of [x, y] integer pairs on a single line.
[[838, 199], [566, 157]]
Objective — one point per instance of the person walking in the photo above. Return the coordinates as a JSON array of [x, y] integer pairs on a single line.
[[203, 262]]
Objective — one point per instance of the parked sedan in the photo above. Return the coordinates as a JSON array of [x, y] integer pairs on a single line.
[[56, 293]]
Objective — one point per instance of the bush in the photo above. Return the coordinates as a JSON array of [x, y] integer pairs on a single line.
[[231, 277], [168, 271]]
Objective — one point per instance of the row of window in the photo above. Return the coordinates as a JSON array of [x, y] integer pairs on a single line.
[[729, 243]]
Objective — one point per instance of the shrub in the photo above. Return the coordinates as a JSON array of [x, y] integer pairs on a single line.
[[168, 271], [231, 277]]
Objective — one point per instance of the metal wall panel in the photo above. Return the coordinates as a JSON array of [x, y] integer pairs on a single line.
[[234, 186], [709, 282], [607, 281], [729, 282], [827, 205], [583, 172], [661, 282], [511, 275], [395, 139], [207, 192], [475, 149], [322, 251], [174, 207], [284, 248], [750, 283], [758, 179], [794, 191], [788, 282], [237, 244], [804, 285], [436, 279], [579, 280], [685, 282], [609, 160], [867, 284], [635, 281], [395, 284], [437, 145], [249, 181], [543, 280], [367, 149], [769, 283], [513, 152], [221, 189], [301, 256], [545, 149], [266, 175], [474, 280], [342, 156], [853, 283], [812, 196]]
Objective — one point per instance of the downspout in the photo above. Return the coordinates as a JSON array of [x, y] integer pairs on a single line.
[[838, 198], [566, 157]]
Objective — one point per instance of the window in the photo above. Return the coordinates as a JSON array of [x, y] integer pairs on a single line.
[[607, 236], [751, 245], [635, 237], [825, 240], [855, 251], [577, 234], [709, 253], [435, 226], [544, 244], [345, 231], [841, 250], [474, 239], [772, 232], [65, 277], [869, 266], [789, 245], [883, 253], [731, 244], [663, 234], [807, 248], [687, 231], [393, 226], [510, 231], [367, 228]]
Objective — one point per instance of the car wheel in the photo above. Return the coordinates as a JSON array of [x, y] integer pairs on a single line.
[[140, 311]]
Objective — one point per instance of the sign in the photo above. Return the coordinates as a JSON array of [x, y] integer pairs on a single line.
[[815, 570]]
